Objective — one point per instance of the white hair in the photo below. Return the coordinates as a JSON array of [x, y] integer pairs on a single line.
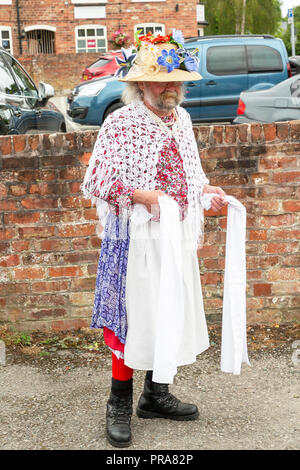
[[131, 93]]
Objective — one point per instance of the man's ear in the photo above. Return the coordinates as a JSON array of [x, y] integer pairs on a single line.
[[141, 86]]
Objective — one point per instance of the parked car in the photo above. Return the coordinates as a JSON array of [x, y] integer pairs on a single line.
[[24, 108], [228, 65], [105, 65], [279, 103], [295, 64]]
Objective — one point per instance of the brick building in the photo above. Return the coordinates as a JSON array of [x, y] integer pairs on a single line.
[[34, 27]]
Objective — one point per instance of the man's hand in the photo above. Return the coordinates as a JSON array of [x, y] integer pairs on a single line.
[[218, 201], [148, 198]]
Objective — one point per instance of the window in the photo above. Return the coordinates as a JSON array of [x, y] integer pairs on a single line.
[[91, 38], [24, 82], [7, 83], [40, 41], [154, 28], [263, 59], [5, 38], [226, 60]]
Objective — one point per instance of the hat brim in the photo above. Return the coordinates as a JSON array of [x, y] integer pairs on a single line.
[[175, 76]]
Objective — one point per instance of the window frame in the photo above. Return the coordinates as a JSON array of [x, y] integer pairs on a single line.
[[230, 72], [150, 25], [7, 28], [95, 27], [263, 70]]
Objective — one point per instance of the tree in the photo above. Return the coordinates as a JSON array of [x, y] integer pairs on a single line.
[[247, 16], [286, 35]]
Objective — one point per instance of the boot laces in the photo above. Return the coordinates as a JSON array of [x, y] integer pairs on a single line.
[[121, 410]]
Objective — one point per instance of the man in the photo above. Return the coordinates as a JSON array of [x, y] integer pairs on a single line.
[[146, 179]]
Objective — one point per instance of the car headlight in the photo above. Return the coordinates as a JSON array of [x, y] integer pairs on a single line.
[[91, 89]]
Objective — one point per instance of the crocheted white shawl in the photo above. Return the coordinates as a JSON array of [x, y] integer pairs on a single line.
[[127, 149]]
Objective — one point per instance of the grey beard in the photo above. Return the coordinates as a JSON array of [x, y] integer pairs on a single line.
[[162, 105]]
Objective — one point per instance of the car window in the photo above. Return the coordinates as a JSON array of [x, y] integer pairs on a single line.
[[263, 59], [7, 82], [25, 84], [226, 60], [99, 63]]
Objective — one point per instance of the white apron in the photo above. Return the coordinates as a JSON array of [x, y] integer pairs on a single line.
[[165, 314]]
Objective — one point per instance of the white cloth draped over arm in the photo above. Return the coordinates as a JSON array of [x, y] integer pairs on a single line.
[[234, 339]]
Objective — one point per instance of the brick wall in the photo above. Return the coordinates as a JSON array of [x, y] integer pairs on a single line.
[[62, 71], [126, 14], [49, 250]]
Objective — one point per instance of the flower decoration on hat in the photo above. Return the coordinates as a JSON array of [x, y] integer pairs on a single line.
[[155, 53], [189, 60], [129, 56], [170, 60]]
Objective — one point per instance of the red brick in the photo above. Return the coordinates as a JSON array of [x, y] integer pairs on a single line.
[[36, 232], [270, 131], [18, 189], [283, 274], [5, 145], [292, 206], [22, 218], [77, 230], [281, 247], [257, 235], [8, 205], [262, 289], [41, 203], [11, 260], [29, 273], [85, 157], [19, 143], [276, 220], [287, 177], [65, 271], [211, 278]]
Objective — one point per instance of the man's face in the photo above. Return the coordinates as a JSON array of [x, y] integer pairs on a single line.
[[163, 96]]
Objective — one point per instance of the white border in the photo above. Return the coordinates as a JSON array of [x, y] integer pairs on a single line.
[[94, 26], [39, 26], [145, 25], [86, 2], [8, 28]]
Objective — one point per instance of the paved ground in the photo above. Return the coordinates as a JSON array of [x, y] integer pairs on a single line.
[[56, 400], [60, 102]]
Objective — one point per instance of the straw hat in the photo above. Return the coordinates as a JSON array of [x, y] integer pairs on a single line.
[[158, 59]]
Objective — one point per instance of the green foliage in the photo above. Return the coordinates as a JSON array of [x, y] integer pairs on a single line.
[[286, 35], [226, 16], [23, 339]]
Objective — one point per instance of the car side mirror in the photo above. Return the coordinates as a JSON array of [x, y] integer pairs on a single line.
[[46, 91]]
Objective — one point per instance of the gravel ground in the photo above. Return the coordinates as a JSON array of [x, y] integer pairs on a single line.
[[57, 402]]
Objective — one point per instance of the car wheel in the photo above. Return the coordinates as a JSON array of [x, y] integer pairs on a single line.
[[113, 108]]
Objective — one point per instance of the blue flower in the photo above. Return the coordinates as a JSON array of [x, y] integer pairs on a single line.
[[189, 60], [124, 64], [178, 36], [169, 59]]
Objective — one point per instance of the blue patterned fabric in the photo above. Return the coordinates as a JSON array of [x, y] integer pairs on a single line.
[[109, 305]]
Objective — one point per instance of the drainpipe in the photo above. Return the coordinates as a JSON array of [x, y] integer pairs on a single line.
[[19, 27]]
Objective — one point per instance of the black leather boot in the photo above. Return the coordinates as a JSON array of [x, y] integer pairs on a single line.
[[157, 402], [118, 413]]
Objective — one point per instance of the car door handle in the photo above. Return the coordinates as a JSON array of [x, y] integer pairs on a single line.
[[190, 84], [210, 83]]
